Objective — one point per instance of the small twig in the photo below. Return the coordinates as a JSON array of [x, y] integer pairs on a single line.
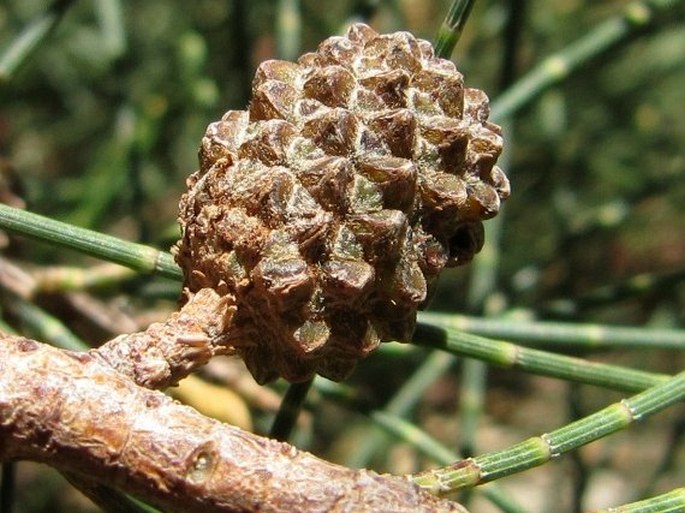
[[78, 414], [452, 27], [167, 352], [538, 450]]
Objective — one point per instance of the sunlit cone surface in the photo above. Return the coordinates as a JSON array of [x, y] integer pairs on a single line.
[[328, 209]]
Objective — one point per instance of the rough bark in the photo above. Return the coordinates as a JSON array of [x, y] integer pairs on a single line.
[[78, 414], [168, 351]]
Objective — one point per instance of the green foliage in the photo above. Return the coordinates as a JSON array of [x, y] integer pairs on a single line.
[[104, 104]]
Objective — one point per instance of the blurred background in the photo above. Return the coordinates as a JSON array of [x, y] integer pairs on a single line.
[[100, 128]]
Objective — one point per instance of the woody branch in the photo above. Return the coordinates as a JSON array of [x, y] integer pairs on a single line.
[[78, 413]]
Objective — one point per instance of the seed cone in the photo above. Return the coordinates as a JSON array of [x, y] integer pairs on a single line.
[[328, 209]]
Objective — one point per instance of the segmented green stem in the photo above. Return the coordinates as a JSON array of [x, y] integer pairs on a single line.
[[45, 326], [452, 27], [8, 486], [288, 29], [142, 258], [557, 67], [671, 502], [549, 334], [411, 434], [111, 20], [505, 354], [639, 284], [62, 279], [6, 328], [471, 402], [540, 449], [108, 499], [402, 403], [289, 410], [36, 33]]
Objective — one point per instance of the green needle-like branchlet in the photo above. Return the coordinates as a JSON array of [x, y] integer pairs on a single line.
[[288, 29], [636, 285], [557, 67], [403, 402], [404, 430], [506, 354], [538, 450], [45, 326], [289, 410], [452, 27], [551, 334], [35, 34], [671, 502], [142, 258]]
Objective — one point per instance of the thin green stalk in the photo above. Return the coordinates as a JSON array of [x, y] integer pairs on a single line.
[[8, 484], [110, 175], [555, 68], [6, 328], [505, 354], [63, 279], [289, 410], [111, 20], [44, 326], [289, 29], [142, 258], [31, 38], [484, 272], [411, 434], [540, 449], [669, 458], [408, 432], [670, 502], [452, 27], [401, 404], [637, 285], [550, 334], [579, 472], [471, 403], [108, 499]]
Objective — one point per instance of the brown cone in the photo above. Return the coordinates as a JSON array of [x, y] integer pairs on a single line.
[[328, 209]]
